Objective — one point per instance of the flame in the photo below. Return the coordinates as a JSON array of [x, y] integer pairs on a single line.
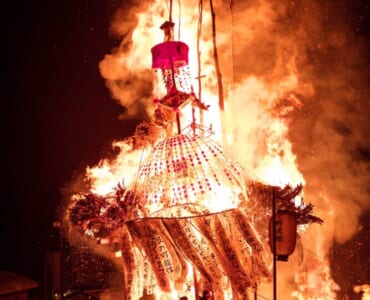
[[316, 283], [105, 176], [314, 280], [364, 290], [255, 126], [259, 117]]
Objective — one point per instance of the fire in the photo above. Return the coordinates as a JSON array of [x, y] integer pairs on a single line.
[[364, 289], [315, 282], [105, 176], [254, 128]]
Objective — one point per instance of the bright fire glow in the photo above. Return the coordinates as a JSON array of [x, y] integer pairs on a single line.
[[123, 169], [364, 289], [254, 128]]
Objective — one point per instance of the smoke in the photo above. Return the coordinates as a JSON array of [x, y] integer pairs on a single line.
[[125, 69], [313, 43], [329, 134], [296, 77]]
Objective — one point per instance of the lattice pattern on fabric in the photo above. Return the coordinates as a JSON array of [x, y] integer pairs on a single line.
[[188, 175], [170, 65], [181, 79]]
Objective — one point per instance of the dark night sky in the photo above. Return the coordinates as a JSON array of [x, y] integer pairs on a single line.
[[57, 116]]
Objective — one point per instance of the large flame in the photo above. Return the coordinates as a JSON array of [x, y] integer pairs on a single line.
[[264, 86]]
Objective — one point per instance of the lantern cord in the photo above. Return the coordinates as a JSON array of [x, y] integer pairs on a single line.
[[179, 27], [199, 32], [170, 17], [313, 253], [170, 8], [259, 296], [215, 56], [137, 177]]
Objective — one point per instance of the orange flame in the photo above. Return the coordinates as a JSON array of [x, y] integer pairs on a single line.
[[255, 125]]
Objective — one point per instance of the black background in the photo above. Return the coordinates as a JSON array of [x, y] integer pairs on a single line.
[[57, 113]]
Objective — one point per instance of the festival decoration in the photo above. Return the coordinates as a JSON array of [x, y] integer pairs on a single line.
[[286, 234], [186, 223]]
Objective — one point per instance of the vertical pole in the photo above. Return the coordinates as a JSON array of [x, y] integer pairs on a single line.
[[274, 240], [170, 18], [215, 56], [200, 8], [196, 288], [178, 122], [124, 271], [193, 119], [175, 104], [255, 293]]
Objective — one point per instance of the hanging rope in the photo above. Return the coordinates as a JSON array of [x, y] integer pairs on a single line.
[[178, 35], [231, 7], [170, 17], [137, 177], [215, 56], [199, 32]]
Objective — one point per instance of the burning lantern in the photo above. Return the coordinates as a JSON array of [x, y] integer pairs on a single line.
[[170, 60], [285, 234], [170, 65]]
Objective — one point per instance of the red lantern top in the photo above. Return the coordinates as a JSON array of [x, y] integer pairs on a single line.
[[170, 65], [168, 55]]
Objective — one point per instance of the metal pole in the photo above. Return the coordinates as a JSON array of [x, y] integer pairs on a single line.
[[274, 240]]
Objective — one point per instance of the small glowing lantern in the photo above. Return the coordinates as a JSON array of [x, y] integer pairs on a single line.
[[170, 65], [285, 234], [170, 61]]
